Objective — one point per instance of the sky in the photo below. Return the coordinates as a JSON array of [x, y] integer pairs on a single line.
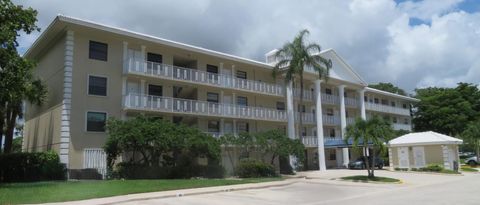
[[412, 44]]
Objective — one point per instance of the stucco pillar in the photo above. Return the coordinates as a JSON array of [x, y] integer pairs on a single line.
[[143, 95], [363, 113], [446, 161], [290, 119], [235, 127], [125, 57], [343, 122], [390, 159], [319, 122], [222, 127]]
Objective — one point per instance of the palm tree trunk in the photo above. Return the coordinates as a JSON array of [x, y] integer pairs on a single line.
[[300, 121], [367, 162]]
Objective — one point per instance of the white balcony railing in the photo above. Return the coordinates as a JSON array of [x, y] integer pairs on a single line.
[[399, 126], [312, 141], [387, 109], [350, 120], [330, 99], [351, 102], [186, 106], [331, 120], [160, 70]]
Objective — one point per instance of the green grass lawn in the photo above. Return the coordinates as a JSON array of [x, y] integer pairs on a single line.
[[363, 178], [468, 169], [57, 191]]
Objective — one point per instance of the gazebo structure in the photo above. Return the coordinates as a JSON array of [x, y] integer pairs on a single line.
[[416, 150]]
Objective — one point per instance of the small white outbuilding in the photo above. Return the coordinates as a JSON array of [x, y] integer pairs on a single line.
[[419, 149]]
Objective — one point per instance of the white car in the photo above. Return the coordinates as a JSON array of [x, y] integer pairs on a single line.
[[471, 161]]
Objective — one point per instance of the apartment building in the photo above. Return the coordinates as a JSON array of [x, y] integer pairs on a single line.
[[96, 71]]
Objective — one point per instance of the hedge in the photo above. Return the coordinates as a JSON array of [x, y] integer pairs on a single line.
[[251, 168], [140, 171], [26, 167]]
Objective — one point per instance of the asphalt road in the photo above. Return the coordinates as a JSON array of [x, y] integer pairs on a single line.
[[416, 189]]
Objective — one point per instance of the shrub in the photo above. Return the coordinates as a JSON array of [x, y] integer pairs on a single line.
[[414, 169], [140, 171], [401, 169], [432, 168], [23, 167], [251, 168]]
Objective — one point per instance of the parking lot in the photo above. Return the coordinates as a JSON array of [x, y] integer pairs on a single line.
[[320, 188]]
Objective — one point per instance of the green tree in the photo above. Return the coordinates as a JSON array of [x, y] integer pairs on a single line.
[[17, 82], [369, 134], [294, 57], [277, 144], [152, 142], [389, 87], [471, 135], [446, 110]]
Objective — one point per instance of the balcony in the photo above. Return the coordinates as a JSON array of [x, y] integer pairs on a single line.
[[195, 107], [387, 109], [399, 126], [351, 102], [165, 71], [312, 141]]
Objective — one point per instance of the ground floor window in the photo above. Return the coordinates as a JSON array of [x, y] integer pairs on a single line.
[[332, 155], [96, 121]]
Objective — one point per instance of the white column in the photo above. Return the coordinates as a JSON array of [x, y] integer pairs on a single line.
[[390, 159], [343, 122], [222, 127], [143, 56], [235, 127], [290, 111], [233, 76], [361, 94], [125, 57], [234, 102], [319, 119], [143, 97]]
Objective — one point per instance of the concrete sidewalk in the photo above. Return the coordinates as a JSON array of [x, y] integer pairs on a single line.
[[181, 192]]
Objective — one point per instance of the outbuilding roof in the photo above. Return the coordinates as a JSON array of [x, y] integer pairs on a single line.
[[423, 138]]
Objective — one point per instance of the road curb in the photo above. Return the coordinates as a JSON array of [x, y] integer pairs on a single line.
[[180, 193]]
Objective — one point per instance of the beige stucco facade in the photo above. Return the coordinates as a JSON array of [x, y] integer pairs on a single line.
[[62, 53], [443, 155]]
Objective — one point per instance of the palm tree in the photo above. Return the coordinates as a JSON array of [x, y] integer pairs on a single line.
[[293, 58], [369, 134]]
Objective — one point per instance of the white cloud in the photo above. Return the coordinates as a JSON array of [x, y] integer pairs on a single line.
[[374, 36]]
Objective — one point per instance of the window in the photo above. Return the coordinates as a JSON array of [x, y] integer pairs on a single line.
[[242, 127], [212, 69], [97, 85], [330, 112], [405, 121], [280, 106], [241, 74], [213, 126], [304, 131], [301, 108], [393, 104], [384, 102], [328, 91], [332, 133], [155, 90], [332, 155], [346, 113], [153, 57], [212, 97], [394, 119], [242, 101], [345, 94], [404, 106], [376, 100], [98, 51], [365, 98], [96, 121]]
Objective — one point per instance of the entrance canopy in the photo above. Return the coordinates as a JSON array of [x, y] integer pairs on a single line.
[[423, 138]]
